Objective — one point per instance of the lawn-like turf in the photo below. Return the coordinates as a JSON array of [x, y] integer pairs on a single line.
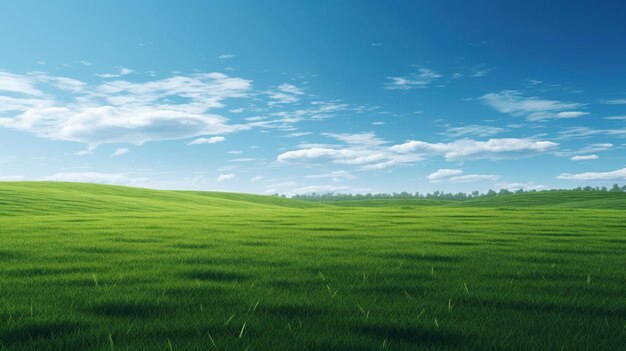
[[92, 267]]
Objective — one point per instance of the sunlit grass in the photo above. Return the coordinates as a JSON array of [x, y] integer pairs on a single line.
[[110, 268]]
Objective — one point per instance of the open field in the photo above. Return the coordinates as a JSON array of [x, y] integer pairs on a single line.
[[92, 267]]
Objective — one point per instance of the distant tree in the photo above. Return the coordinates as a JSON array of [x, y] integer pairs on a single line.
[[436, 195], [504, 192]]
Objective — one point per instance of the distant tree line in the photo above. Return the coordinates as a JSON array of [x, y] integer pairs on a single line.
[[438, 195]]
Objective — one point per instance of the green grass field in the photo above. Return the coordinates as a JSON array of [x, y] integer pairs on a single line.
[[92, 267]]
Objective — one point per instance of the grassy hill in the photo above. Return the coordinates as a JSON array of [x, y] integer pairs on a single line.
[[60, 197], [94, 267]]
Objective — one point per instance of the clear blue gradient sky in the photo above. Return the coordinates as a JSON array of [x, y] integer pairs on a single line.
[[301, 96]]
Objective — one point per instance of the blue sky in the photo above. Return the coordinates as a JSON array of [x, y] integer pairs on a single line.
[[318, 96]]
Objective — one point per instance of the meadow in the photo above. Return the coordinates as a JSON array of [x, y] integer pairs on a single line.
[[94, 267]]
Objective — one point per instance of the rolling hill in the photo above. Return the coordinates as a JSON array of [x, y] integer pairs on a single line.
[[96, 267]]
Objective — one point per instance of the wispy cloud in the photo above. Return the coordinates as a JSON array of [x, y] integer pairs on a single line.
[[442, 174], [225, 177], [21, 84], [587, 132], [614, 102], [619, 174], [285, 94], [456, 176], [473, 130], [586, 149], [584, 157], [420, 79], [119, 152], [532, 108], [617, 118], [211, 140], [122, 72]]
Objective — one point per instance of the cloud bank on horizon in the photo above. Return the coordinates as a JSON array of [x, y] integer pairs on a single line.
[[256, 110]]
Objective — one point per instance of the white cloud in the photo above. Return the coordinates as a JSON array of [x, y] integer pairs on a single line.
[[319, 110], [584, 157], [95, 177], [120, 151], [86, 63], [615, 102], [421, 79], [211, 140], [256, 179], [571, 114], [122, 72], [473, 149], [88, 151], [14, 83], [285, 94], [455, 176], [369, 153], [612, 175], [480, 71], [311, 153], [297, 134], [587, 149], [618, 118], [226, 56], [362, 139], [225, 177], [12, 104], [443, 173], [124, 112], [532, 108], [364, 150]]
